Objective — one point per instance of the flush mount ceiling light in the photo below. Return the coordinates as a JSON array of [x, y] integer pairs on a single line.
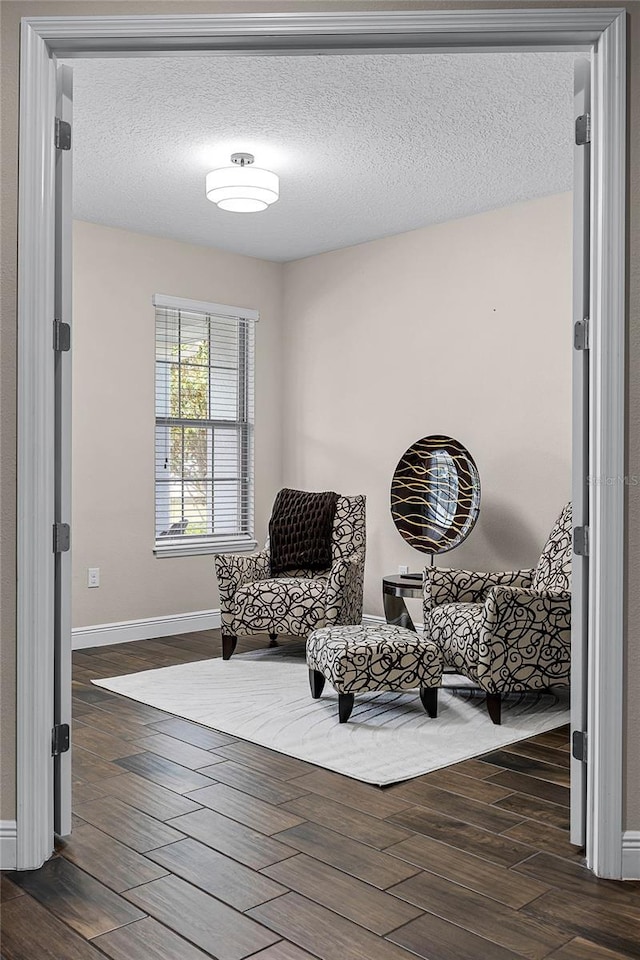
[[242, 188]]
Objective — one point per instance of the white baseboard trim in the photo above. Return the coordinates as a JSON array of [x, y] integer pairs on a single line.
[[8, 846], [149, 628], [631, 855], [104, 634], [370, 620]]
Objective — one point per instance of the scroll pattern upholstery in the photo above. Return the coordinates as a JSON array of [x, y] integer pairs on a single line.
[[349, 530], [252, 601], [525, 640], [553, 571], [345, 591], [510, 631], [355, 659], [278, 604], [465, 586], [235, 571], [451, 626]]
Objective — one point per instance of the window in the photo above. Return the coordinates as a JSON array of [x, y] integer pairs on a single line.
[[204, 427]]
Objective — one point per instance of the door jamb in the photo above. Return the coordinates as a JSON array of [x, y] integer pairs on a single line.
[[600, 30]]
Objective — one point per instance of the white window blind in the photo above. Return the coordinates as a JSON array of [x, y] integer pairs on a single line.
[[204, 426]]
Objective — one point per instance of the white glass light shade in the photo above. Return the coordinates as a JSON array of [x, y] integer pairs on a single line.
[[242, 189]]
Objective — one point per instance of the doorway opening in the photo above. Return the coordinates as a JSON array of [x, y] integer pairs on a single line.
[[601, 852]]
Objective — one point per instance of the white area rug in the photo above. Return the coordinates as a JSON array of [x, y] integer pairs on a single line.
[[264, 697]]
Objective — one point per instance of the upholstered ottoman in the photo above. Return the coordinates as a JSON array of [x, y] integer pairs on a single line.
[[357, 659]]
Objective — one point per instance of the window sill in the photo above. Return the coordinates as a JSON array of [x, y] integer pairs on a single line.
[[194, 549]]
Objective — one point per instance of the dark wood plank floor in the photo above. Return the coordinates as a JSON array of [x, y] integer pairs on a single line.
[[190, 845]]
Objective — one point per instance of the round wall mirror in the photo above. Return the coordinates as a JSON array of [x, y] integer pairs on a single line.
[[435, 494]]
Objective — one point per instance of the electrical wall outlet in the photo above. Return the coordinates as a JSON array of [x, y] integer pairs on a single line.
[[403, 568], [93, 577]]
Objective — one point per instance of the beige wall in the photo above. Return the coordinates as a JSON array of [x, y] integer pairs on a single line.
[[463, 329], [10, 13], [116, 274], [398, 324]]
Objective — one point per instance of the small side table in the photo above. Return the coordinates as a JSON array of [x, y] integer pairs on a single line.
[[394, 590]]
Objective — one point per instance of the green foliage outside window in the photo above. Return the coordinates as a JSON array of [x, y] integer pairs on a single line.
[[189, 450]]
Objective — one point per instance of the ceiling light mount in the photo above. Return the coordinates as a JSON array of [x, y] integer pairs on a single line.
[[243, 159], [242, 188]]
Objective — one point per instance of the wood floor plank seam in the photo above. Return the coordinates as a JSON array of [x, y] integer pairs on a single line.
[[538, 769], [492, 950], [37, 882], [342, 893], [34, 906], [535, 808], [204, 920], [486, 816], [539, 752], [373, 866], [218, 874], [475, 912], [258, 785], [173, 947], [545, 838], [132, 827], [145, 795], [523, 783], [461, 835], [232, 839], [473, 873], [347, 821], [122, 927]]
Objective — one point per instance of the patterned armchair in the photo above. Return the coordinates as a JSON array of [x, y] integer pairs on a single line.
[[252, 601], [506, 631]]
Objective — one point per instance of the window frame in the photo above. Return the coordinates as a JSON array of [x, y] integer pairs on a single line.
[[186, 546]]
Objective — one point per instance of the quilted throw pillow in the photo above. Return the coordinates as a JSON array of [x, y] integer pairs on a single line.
[[301, 529]]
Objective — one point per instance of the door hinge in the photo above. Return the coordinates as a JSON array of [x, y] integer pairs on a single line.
[[581, 541], [61, 537], [60, 739], [581, 334], [62, 138], [61, 336], [583, 129], [579, 745]]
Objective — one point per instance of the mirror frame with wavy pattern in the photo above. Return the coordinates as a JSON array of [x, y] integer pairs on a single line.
[[414, 485]]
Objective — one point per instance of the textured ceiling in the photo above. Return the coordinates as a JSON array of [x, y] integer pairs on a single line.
[[365, 146]]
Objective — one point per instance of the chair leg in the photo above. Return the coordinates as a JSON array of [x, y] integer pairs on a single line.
[[345, 706], [273, 638], [494, 704], [316, 682], [229, 643], [429, 697]]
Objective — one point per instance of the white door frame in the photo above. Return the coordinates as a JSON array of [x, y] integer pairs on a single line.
[[601, 30]]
